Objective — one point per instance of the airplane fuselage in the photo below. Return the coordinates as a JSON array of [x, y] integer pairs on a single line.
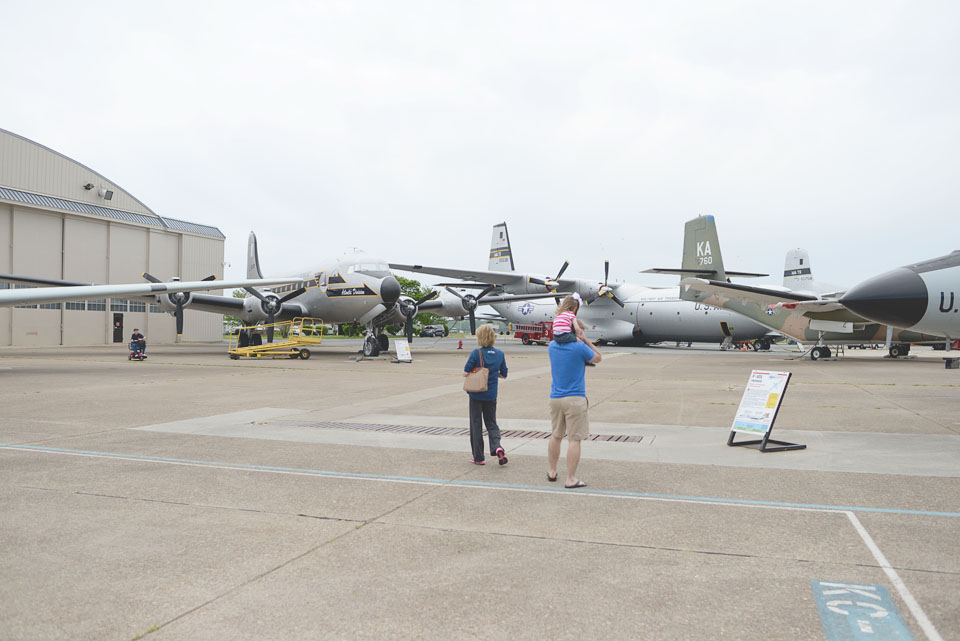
[[648, 316]]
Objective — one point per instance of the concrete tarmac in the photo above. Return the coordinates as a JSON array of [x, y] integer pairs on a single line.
[[195, 497]]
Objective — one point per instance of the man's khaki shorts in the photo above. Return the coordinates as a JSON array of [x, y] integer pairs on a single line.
[[569, 417]]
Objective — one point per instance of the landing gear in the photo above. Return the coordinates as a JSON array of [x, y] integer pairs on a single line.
[[899, 349], [371, 346], [762, 344], [819, 352], [383, 342]]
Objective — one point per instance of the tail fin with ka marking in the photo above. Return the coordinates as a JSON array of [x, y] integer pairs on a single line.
[[701, 249], [501, 258], [253, 260]]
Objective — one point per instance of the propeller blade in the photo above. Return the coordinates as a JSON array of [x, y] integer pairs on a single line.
[[454, 292], [433, 294], [179, 316], [152, 279], [293, 294], [210, 277], [558, 300], [270, 327], [473, 324], [254, 293], [606, 272], [614, 298], [537, 281], [485, 292], [408, 328], [566, 264]]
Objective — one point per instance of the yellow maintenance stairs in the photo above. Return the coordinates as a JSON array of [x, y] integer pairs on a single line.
[[290, 339]]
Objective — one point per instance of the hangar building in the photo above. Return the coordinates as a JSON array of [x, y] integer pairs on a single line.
[[60, 219]]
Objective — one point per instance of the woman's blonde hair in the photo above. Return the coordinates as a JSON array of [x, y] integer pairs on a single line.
[[569, 304], [486, 335]]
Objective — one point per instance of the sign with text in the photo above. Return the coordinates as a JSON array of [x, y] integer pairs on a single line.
[[760, 402], [403, 350]]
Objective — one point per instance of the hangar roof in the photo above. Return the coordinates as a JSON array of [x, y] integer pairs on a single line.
[[106, 212]]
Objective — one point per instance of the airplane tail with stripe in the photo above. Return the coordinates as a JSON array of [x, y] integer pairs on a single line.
[[501, 258], [796, 270]]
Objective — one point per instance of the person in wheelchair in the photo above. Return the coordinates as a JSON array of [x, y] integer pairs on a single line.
[[138, 344]]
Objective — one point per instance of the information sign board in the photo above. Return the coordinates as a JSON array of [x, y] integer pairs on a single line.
[[403, 350], [758, 410], [760, 402]]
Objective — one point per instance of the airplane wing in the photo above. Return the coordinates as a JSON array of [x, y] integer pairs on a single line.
[[488, 300], [804, 304], [53, 291], [477, 276]]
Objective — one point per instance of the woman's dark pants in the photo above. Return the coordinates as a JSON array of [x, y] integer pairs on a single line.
[[487, 411]]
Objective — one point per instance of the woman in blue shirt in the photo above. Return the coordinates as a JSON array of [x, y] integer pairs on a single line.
[[483, 405]]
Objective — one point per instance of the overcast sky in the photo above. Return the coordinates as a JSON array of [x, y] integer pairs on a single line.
[[595, 130]]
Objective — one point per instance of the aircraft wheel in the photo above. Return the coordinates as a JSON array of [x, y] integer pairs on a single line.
[[815, 354], [384, 342], [304, 353], [899, 350], [235, 357], [371, 347], [526, 339], [756, 346]]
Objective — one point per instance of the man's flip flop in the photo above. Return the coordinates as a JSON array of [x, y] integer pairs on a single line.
[[552, 479], [575, 485]]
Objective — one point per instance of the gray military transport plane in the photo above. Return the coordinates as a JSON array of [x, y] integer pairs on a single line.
[[624, 313], [806, 316]]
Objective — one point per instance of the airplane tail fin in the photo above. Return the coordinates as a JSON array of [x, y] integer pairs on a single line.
[[253, 260], [501, 258], [796, 270], [701, 248]]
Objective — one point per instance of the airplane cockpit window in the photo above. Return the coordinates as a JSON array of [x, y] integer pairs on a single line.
[[369, 268]]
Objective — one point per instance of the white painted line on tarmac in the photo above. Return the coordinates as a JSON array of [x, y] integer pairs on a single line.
[[922, 620]]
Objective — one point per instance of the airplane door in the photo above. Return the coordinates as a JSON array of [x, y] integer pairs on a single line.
[[117, 327]]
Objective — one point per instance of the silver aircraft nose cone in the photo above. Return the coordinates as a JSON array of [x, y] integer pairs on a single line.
[[390, 290], [898, 298]]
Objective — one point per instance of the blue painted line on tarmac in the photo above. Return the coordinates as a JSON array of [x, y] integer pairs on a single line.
[[484, 484], [858, 612]]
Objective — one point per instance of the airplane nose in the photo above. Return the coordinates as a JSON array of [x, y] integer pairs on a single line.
[[390, 290], [898, 298]]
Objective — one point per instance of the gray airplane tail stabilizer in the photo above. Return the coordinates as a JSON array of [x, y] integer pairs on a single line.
[[701, 249], [253, 260], [701, 254], [501, 258], [796, 270]]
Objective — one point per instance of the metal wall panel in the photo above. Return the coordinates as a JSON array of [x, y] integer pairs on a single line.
[[202, 257], [6, 241], [36, 251], [85, 259]]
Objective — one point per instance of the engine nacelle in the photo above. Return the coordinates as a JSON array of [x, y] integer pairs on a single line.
[[168, 302], [258, 311]]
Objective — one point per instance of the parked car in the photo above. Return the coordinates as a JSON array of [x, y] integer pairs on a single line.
[[433, 331]]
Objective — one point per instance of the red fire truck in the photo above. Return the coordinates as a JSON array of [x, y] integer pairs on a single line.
[[534, 333]]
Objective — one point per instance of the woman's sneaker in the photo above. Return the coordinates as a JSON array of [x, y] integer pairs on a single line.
[[501, 455], [478, 462]]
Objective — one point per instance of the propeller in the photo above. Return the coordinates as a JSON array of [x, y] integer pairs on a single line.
[[552, 284], [271, 304], [470, 303], [179, 299], [605, 289], [409, 308]]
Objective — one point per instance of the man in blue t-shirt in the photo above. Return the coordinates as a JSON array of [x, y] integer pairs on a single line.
[[568, 402]]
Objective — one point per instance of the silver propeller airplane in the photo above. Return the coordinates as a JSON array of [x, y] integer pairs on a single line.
[[615, 313]]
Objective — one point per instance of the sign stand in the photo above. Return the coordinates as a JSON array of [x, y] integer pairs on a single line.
[[758, 410]]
